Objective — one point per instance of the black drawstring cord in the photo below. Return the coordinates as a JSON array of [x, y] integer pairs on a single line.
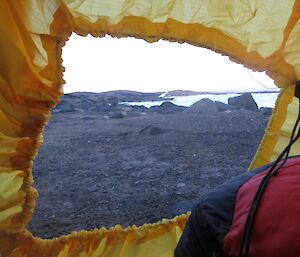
[[248, 228]]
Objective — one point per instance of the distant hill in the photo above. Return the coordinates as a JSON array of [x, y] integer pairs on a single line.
[[120, 95], [176, 93]]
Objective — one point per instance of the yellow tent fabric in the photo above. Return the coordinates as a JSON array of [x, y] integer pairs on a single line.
[[263, 35]]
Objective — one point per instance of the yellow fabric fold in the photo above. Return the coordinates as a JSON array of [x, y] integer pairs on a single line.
[[157, 239], [11, 197]]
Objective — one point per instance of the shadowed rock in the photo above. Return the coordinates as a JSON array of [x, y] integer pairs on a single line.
[[244, 101], [224, 107], [167, 108], [151, 130], [139, 108], [266, 111], [116, 115], [203, 106]]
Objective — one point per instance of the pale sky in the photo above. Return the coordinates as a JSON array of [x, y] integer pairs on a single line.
[[104, 64]]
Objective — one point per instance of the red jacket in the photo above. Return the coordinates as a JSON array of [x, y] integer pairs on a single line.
[[216, 224]]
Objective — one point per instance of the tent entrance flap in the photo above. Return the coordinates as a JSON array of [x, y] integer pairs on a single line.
[[262, 35]]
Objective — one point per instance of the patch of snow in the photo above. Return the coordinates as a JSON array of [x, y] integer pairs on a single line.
[[262, 99]]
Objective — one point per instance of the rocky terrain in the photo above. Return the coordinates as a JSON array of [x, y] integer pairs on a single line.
[[104, 163]]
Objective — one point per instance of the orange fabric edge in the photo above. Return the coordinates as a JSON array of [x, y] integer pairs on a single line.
[[181, 35]]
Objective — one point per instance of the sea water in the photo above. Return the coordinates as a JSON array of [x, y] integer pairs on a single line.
[[262, 99]]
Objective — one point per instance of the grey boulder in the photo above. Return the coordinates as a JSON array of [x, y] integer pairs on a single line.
[[244, 101], [203, 106]]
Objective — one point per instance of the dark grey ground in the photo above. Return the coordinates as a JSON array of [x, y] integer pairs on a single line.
[[94, 172]]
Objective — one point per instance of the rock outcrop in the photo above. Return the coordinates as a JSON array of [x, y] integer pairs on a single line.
[[167, 108], [203, 106], [244, 101]]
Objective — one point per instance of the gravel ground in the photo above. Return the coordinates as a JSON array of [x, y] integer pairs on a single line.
[[93, 172]]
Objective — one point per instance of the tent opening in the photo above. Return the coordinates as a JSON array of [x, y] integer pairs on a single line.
[[141, 151]]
